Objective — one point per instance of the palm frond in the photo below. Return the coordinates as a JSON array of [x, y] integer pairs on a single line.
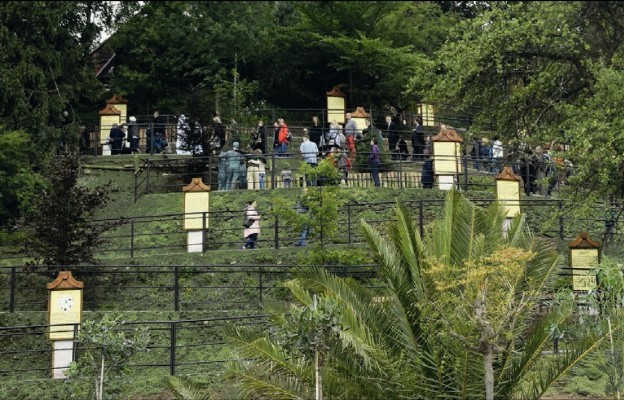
[[187, 389]]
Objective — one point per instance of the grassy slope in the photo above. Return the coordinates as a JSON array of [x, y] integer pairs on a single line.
[[103, 169]]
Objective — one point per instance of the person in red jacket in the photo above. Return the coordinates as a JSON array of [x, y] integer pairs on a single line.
[[282, 136]]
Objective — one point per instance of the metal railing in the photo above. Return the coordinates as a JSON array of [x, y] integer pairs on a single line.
[[188, 346], [164, 233], [405, 171], [216, 288]]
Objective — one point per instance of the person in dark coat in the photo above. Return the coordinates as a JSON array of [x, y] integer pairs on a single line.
[[418, 142], [85, 140], [133, 135], [427, 174], [403, 151], [259, 138], [115, 138], [219, 130], [315, 131], [391, 132]]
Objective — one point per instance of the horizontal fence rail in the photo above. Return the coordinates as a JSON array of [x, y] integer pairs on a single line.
[[164, 234], [214, 288], [175, 347]]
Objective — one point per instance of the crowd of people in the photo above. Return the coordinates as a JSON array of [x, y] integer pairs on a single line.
[[240, 168], [339, 144]]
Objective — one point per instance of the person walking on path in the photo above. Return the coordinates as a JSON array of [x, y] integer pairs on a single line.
[[250, 234]]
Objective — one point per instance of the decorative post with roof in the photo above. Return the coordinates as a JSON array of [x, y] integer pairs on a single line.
[[447, 163], [121, 104], [426, 113], [508, 193], [584, 256], [196, 207], [64, 318], [109, 115], [336, 105], [360, 116]]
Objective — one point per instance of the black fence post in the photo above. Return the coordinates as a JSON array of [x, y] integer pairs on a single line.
[[465, 166], [273, 170], [132, 238], [349, 222], [400, 177], [260, 283], [421, 217], [276, 232], [75, 343], [147, 176], [96, 141], [203, 239], [210, 167], [136, 182], [560, 219], [172, 348], [12, 291], [176, 288]]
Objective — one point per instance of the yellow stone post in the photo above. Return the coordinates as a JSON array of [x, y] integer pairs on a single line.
[[584, 256], [64, 317], [196, 207], [336, 105], [447, 162]]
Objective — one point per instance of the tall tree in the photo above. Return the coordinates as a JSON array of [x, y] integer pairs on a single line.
[[172, 51], [47, 68], [542, 72], [17, 178]]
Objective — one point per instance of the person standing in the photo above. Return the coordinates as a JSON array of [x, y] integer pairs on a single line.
[[403, 151], [332, 138], [233, 161], [259, 138], [309, 151], [255, 170], [350, 131], [282, 136], [85, 140], [182, 141], [250, 234], [159, 137], [418, 142], [222, 171], [374, 161], [316, 131], [219, 130], [133, 134], [497, 155], [115, 138], [393, 136]]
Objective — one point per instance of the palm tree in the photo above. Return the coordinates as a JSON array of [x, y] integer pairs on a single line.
[[457, 318]]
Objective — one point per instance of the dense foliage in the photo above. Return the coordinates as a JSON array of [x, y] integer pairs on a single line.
[[58, 223], [456, 318]]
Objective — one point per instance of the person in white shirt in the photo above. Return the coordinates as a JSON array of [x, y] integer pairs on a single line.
[[309, 150], [497, 155]]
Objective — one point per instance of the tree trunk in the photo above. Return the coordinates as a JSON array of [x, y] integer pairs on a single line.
[[488, 371], [317, 372], [101, 391]]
